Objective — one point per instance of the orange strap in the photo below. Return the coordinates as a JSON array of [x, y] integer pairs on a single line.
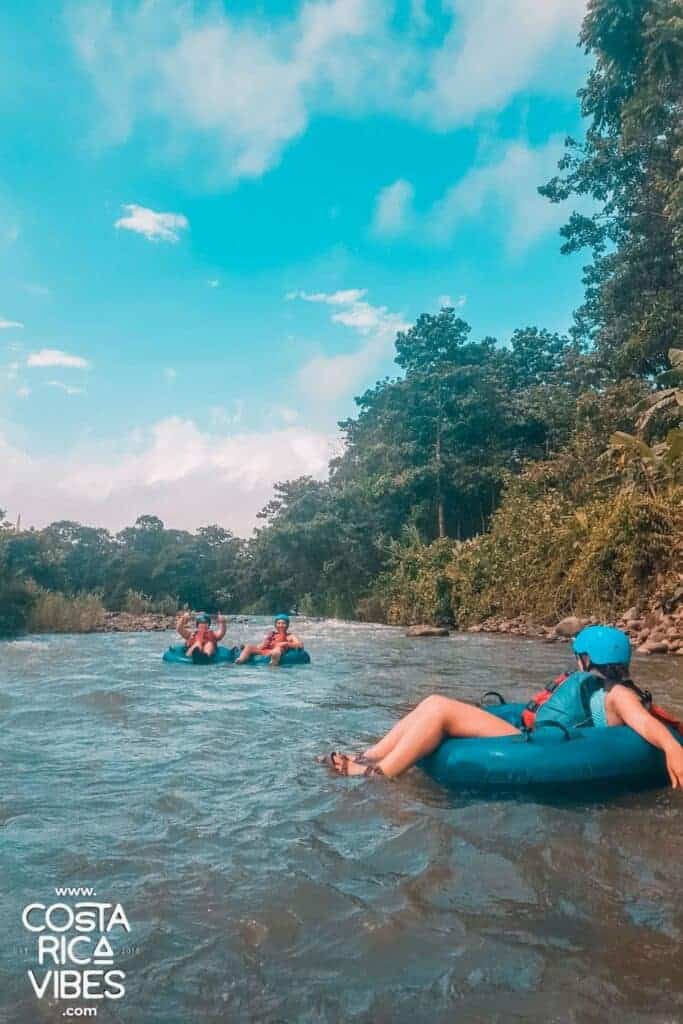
[[667, 719]]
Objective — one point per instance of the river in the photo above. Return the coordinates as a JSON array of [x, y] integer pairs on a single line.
[[260, 887]]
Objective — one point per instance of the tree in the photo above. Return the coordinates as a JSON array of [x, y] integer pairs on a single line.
[[433, 445], [631, 166]]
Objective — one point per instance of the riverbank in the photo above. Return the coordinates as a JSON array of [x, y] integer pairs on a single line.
[[143, 622], [651, 631]]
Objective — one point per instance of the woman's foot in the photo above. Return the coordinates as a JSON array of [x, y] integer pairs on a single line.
[[345, 765]]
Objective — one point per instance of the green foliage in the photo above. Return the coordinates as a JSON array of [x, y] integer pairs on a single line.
[[544, 557], [631, 166], [415, 586], [16, 600], [48, 577]]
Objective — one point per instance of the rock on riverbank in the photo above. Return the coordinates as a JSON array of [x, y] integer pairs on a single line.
[[427, 631], [127, 622], [657, 629]]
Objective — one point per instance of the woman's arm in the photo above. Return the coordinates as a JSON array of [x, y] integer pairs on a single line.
[[294, 641], [182, 626], [626, 706], [222, 626]]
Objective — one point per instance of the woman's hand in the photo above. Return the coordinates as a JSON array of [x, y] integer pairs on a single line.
[[674, 764]]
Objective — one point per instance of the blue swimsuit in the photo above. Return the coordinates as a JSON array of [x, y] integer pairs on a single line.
[[598, 713]]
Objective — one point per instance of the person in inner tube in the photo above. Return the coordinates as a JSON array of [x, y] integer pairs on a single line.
[[602, 651], [275, 643], [201, 643]]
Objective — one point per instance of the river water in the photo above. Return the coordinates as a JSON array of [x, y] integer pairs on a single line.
[[260, 887]]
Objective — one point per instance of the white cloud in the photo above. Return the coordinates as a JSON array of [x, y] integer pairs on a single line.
[[170, 374], [175, 470], [6, 324], [494, 50], [35, 289], [447, 301], [507, 187], [227, 416], [393, 209], [329, 377], [340, 298], [156, 227], [23, 392], [419, 14], [244, 85], [9, 372], [68, 389], [286, 414], [213, 282], [238, 89], [55, 357]]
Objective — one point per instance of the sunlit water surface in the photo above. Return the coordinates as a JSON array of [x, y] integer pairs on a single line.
[[260, 887]]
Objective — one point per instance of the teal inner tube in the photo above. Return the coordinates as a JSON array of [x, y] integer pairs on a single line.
[[176, 655], [549, 758]]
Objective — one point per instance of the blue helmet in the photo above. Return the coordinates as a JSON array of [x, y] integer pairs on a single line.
[[203, 617], [604, 645], [282, 616]]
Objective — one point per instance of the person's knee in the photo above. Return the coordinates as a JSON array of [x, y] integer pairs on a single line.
[[436, 706], [432, 703]]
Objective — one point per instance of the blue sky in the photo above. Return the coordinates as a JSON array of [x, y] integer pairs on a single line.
[[215, 216]]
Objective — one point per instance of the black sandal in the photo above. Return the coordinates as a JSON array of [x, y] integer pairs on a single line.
[[363, 759], [342, 768]]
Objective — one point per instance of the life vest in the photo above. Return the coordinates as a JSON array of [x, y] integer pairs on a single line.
[[569, 703], [202, 638], [272, 639], [531, 710]]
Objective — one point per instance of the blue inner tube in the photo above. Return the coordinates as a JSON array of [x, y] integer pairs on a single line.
[[227, 655], [549, 758]]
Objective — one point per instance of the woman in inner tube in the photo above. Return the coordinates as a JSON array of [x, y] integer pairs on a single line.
[[601, 650], [275, 643], [201, 643]]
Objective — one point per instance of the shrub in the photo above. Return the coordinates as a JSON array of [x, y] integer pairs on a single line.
[[54, 612], [415, 588], [16, 599]]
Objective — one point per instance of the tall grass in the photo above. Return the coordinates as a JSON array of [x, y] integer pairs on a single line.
[[57, 613], [138, 603]]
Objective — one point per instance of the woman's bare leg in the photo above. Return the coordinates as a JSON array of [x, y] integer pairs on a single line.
[[384, 746], [247, 653], [433, 720], [277, 653], [209, 648]]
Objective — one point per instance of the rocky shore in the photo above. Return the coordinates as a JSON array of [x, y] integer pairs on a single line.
[[143, 622], [653, 630], [127, 622]]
